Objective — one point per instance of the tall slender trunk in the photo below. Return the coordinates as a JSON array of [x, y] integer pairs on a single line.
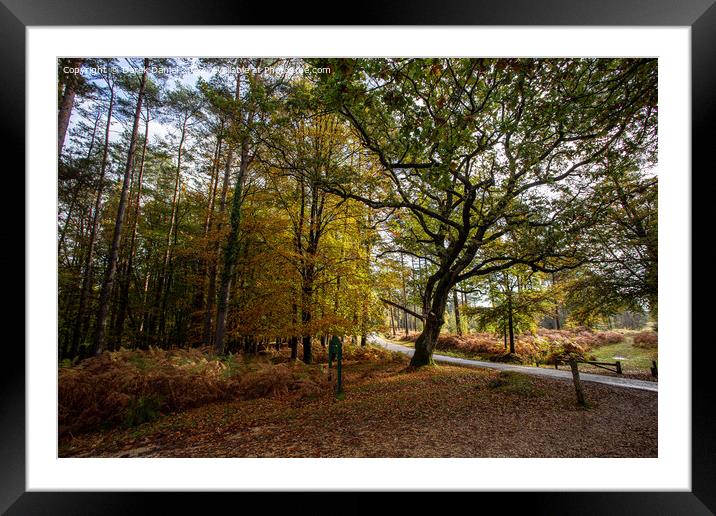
[[145, 292], [556, 310], [78, 186], [156, 311], [510, 322], [204, 264], [124, 295], [293, 342], [214, 184], [66, 104], [169, 273], [81, 321], [306, 302], [207, 334], [405, 295], [230, 251], [458, 325], [101, 329]]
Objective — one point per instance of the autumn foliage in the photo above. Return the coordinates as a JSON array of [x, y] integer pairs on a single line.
[[646, 339], [544, 345], [125, 388]]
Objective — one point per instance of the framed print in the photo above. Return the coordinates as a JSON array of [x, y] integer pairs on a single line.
[[410, 254]]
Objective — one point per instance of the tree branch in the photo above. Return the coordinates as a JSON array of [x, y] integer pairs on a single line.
[[400, 307]]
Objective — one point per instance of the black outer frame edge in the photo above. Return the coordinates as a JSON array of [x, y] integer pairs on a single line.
[[12, 378], [369, 12], [700, 14], [703, 117]]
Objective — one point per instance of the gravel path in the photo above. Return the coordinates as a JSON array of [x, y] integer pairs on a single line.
[[536, 371]]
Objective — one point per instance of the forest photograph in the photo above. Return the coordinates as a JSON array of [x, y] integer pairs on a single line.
[[357, 257]]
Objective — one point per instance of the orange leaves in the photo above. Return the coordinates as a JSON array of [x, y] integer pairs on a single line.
[[433, 412]]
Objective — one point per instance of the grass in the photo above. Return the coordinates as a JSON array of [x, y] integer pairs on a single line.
[[515, 383], [633, 357]]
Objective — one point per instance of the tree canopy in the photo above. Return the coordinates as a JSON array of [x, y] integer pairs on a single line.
[[240, 203]]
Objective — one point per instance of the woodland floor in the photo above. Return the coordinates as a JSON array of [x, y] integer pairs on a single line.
[[439, 411]]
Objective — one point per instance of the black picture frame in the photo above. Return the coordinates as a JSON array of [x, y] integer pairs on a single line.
[[700, 15]]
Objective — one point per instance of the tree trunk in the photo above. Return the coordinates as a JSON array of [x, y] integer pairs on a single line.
[[510, 324], [426, 342], [78, 186], [306, 309], [124, 295], [65, 111], [405, 295], [211, 287], [81, 322], [157, 310], [458, 325], [230, 251], [556, 311], [100, 331], [306, 344], [432, 324], [293, 344], [201, 297], [207, 334]]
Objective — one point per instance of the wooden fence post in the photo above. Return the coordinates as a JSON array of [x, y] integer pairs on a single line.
[[577, 383], [619, 367], [654, 370]]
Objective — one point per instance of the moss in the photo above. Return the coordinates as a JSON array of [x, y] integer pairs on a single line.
[[514, 383]]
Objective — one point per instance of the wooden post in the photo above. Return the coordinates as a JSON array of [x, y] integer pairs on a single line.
[[619, 367], [654, 370], [577, 383]]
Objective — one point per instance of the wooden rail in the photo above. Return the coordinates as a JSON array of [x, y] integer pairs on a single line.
[[604, 365]]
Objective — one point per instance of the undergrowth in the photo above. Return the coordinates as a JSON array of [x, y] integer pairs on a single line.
[[544, 346], [129, 387]]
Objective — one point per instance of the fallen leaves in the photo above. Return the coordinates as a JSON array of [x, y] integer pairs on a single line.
[[434, 412]]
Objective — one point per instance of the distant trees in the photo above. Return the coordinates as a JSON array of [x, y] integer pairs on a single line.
[[518, 298]]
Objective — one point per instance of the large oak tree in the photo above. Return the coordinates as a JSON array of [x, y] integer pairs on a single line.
[[487, 157]]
